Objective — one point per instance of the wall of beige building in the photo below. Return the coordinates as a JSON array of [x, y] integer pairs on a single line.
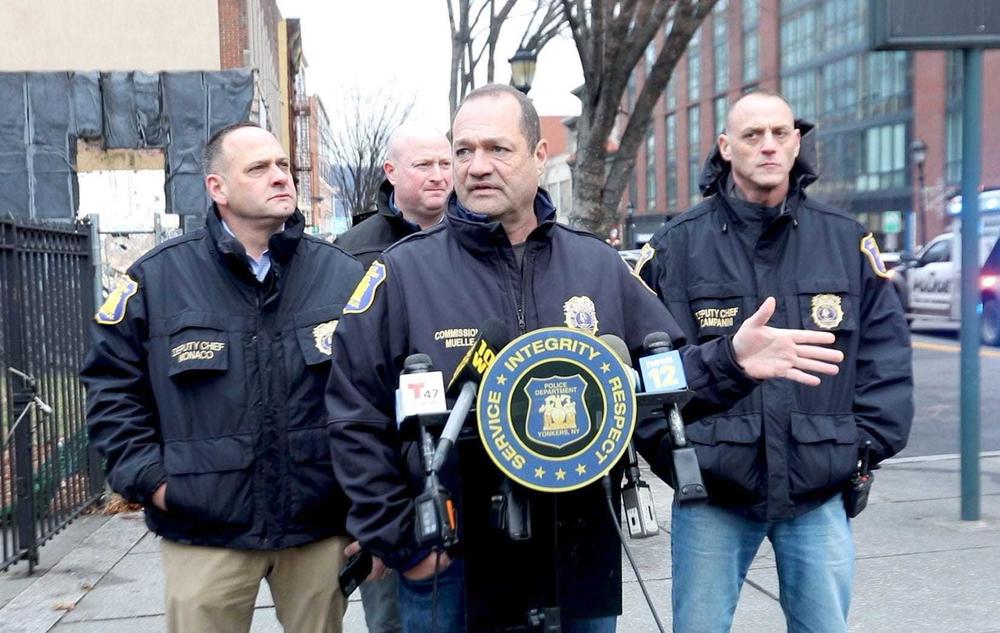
[[109, 35]]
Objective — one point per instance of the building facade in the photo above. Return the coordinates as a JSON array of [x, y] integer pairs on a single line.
[[183, 35], [869, 107]]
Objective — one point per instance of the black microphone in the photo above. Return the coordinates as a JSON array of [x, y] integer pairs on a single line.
[[492, 337], [688, 483], [637, 497], [436, 521]]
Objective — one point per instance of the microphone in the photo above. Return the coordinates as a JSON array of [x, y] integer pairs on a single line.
[[637, 497], [492, 337], [663, 372], [436, 521]]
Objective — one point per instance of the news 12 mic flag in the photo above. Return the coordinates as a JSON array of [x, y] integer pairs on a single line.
[[556, 409]]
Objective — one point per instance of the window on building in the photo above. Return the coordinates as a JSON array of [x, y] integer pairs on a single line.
[[751, 41], [650, 56], [887, 83], [694, 153], [953, 143], [838, 163], [751, 56], [671, 161], [883, 158], [800, 91], [671, 91], [798, 36], [651, 169], [953, 125], [843, 23], [694, 66], [630, 92], [720, 105], [840, 90], [720, 45]]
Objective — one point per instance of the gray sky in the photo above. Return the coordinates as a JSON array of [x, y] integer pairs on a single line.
[[403, 46]]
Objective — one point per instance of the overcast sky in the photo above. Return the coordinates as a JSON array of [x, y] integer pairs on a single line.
[[404, 46]]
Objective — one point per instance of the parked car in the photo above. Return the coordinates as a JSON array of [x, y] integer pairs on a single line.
[[630, 256], [929, 284]]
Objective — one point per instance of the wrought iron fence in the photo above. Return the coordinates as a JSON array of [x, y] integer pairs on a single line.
[[48, 474]]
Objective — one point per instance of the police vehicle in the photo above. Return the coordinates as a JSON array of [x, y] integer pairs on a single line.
[[930, 288]]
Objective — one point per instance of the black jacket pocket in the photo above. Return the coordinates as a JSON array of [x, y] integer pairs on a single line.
[[728, 453], [208, 480], [823, 453]]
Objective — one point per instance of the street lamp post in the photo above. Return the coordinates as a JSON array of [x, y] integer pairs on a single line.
[[918, 153], [522, 69]]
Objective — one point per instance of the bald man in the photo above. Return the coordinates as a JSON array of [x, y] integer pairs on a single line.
[[412, 196], [778, 463]]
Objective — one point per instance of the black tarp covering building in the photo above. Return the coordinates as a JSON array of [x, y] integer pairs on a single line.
[[42, 114]]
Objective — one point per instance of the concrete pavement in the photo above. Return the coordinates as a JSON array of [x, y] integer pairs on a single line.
[[919, 569]]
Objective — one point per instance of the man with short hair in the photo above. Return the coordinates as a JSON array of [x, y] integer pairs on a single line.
[[205, 387], [413, 195], [778, 462], [500, 254]]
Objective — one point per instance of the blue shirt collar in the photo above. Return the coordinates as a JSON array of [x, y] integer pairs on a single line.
[[259, 267]]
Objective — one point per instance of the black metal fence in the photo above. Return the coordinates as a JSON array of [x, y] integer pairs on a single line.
[[48, 474]]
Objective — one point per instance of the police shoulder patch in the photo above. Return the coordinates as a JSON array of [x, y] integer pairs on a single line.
[[364, 294], [870, 249], [645, 255], [112, 311]]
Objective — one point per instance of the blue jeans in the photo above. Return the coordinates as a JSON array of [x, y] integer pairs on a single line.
[[380, 600], [448, 608], [712, 550]]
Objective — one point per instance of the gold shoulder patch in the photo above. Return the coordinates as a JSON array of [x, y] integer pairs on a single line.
[[645, 255], [112, 311], [364, 294], [870, 248]]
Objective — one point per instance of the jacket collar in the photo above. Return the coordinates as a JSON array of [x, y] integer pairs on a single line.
[[385, 200], [477, 233], [715, 173], [281, 246]]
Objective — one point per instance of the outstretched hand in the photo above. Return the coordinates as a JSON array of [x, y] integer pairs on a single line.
[[767, 352]]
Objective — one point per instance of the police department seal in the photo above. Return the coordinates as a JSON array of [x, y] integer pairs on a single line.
[[556, 409]]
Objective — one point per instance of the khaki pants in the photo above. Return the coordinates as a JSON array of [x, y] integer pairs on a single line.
[[212, 589]]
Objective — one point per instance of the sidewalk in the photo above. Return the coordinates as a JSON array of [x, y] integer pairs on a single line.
[[919, 569]]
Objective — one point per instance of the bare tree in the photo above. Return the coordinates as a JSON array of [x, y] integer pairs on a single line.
[[611, 37], [475, 29], [358, 145]]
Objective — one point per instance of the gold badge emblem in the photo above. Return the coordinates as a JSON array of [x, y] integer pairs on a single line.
[[827, 312], [581, 314], [323, 335]]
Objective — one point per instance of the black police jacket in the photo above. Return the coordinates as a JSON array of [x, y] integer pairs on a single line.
[[429, 294], [201, 377], [368, 239], [786, 448]]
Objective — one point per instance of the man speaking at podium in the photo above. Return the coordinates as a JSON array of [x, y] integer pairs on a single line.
[[499, 253]]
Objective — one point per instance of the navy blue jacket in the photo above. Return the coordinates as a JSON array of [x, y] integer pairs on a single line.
[[213, 382], [438, 286], [786, 447]]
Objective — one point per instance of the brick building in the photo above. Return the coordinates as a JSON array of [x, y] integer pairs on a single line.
[[869, 107]]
